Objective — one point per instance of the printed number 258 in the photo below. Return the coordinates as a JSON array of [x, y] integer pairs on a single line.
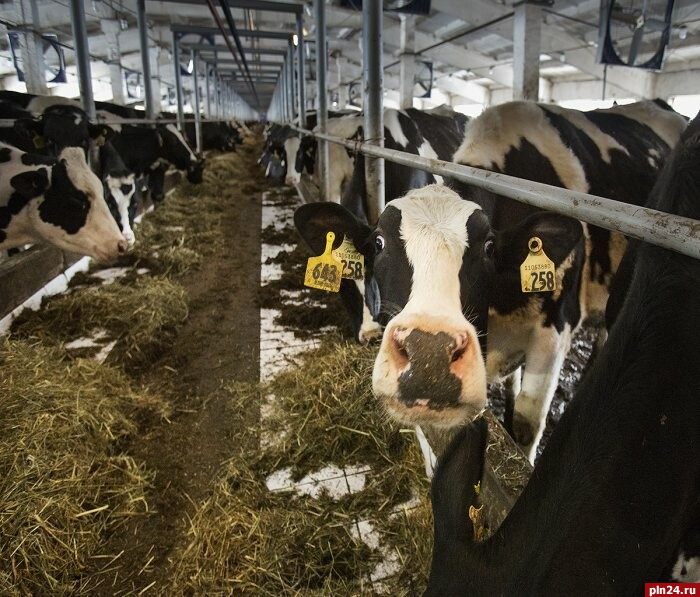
[[353, 268], [542, 280]]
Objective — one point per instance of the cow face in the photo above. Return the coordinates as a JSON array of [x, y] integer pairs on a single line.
[[306, 156], [435, 261], [65, 126], [119, 192], [291, 148], [176, 150], [73, 214]]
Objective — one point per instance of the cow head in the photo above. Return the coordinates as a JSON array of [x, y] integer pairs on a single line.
[[119, 192], [306, 156], [175, 150], [291, 148], [65, 126], [435, 261], [73, 214]]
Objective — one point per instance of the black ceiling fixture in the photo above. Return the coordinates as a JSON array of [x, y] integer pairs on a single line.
[[644, 25]]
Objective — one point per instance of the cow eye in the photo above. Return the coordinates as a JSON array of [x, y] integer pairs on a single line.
[[489, 247], [379, 243]]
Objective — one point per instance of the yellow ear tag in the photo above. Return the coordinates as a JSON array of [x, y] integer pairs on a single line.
[[537, 272], [324, 272], [100, 140], [38, 140], [353, 261]]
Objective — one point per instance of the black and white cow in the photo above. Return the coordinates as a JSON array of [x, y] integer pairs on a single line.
[[613, 152], [616, 491], [220, 136], [120, 186], [60, 202], [144, 149]]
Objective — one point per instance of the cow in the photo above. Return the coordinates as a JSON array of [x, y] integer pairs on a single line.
[[144, 149], [57, 201], [120, 188], [57, 127], [615, 492], [615, 152], [215, 135]]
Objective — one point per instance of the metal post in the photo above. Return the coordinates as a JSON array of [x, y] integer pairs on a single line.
[[178, 82], [145, 60], [195, 107], [290, 73], [207, 90], [373, 85], [300, 72], [322, 96], [82, 57]]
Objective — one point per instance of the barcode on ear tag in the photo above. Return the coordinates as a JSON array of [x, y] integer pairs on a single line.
[[324, 272], [352, 260], [537, 272]]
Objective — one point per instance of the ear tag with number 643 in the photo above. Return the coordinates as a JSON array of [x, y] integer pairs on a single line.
[[353, 261], [324, 272], [537, 272]]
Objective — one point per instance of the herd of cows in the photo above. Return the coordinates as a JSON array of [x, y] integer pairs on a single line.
[[614, 497], [49, 193]]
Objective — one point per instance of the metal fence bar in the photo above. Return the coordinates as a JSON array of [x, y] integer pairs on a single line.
[[665, 230]]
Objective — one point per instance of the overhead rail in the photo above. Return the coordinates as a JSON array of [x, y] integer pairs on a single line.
[[665, 230]]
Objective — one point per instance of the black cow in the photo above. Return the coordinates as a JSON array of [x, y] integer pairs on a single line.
[[220, 136], [616, 489], [57, 201]]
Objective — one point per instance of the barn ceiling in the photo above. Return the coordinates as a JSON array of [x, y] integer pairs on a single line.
[[469, 43]]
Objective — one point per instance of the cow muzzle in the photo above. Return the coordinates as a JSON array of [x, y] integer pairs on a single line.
[[428, 375]]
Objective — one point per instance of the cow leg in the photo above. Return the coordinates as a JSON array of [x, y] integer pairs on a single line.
[[544, 359], [511, 388]]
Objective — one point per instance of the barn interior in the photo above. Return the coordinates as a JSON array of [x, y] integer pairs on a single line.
[[192, 419]]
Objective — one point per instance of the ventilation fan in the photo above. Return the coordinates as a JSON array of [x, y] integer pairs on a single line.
[[55, 73], [355, 94], [634, 32], [423, 79]]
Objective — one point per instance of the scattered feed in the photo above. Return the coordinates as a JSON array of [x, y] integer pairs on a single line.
[[64, 481], [249, 540]]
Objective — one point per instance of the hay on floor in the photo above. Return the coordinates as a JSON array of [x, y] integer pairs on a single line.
[[249, 540], [64, 481]]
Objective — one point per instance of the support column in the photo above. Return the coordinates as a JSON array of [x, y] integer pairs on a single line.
[[300, 72], [178, 82], [195, 104], [155, 80], [373, 83], [342, 89], [207, 71], [111, 29], [82, 57], [33, 50], [408, 61], [290, 80], [145, 60], [322, 97], [526, 51]]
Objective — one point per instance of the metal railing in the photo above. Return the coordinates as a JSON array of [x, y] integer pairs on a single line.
[[665, 230]]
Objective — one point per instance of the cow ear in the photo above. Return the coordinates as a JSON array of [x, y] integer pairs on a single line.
[[559, 235], [454, 490], [315, 220]]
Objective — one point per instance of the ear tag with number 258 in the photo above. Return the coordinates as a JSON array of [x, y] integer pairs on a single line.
[[353, 261], [324, 272], [537, 272]]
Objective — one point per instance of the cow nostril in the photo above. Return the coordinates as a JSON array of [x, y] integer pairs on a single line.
[[398, 341], [122, 246]]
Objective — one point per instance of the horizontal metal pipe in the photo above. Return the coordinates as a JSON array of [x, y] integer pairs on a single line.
[[665, 230]]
